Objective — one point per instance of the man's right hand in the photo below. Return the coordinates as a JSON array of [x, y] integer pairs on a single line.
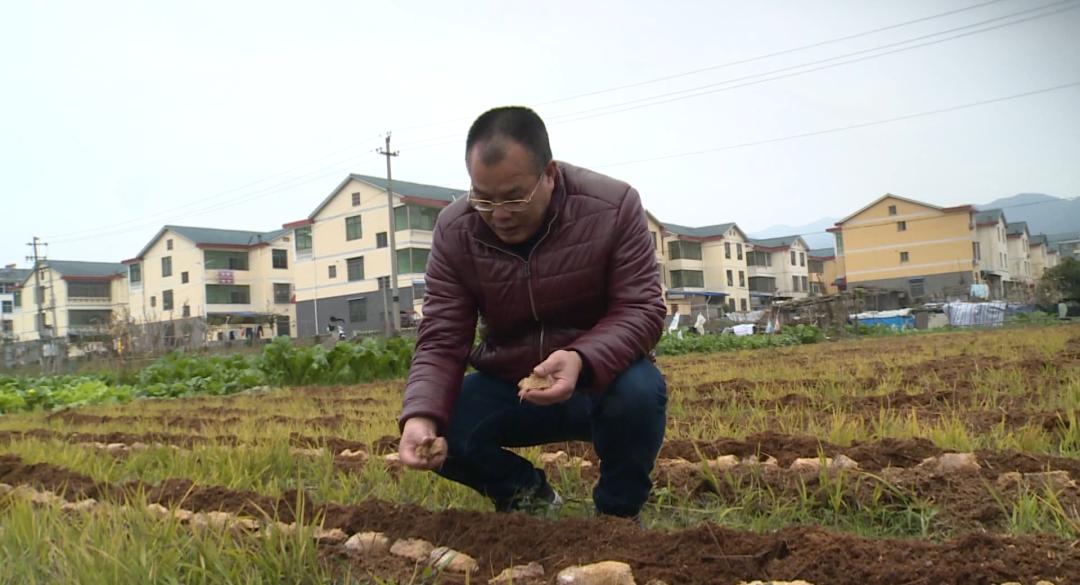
[[420, 447]]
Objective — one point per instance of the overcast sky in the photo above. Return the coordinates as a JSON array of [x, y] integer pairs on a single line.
[[117, 118]]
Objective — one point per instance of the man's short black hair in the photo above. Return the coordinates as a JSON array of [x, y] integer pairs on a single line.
[[517, 123]]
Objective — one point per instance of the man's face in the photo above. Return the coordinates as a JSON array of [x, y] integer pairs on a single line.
[[512, 178]]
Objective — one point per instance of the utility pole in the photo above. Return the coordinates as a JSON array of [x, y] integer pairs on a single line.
[[39, 295], [395, 306]]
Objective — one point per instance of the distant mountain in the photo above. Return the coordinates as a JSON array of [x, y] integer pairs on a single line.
[[813, 232], [1044, 214]]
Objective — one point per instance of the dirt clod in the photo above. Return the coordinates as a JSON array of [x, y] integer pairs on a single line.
[[450, 560], [518, 574], [602, 573], [368, 543], [412, 548], [332, 536], [534, 382]]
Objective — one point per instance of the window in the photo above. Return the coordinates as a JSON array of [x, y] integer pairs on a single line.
[[816, 266], [901, 226], [840, 243], [355, 268], [228, 294], [187, 310], [83, 318], [153, 301], [655, 241], [168, 244], [730, 278], [184, 277], [18, 298], [166, 266], [795, 283], [40, 294], [805, 284], [738, 251], [282, 292], [904, 257], [88, 290], [166, 300], [135, 273], [917, 287], [757, 258], [303, 241], [358, 310], [679, 249], [380, 240], [6, 307], [742, 304], [687, 278], [9, 327], [383, 282], [415, 217], [355, 199], [892, 210], [793, 257], [353, 229], [225, 260], [332, 271], [279, 258], [815, 288], [727, 250], [976, 251], [802, 258], [731, 305], [412, 260], [742, 278]]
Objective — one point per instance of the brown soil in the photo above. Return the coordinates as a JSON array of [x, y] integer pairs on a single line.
[[705, 554]]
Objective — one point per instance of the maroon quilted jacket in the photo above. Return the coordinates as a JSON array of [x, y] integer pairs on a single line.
[[591, 284]]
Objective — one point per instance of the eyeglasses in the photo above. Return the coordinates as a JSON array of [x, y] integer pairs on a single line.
[[513, 206]]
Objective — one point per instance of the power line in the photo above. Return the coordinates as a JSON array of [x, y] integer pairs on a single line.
[[713, 87], [439, 141], [731, 63], [846, 128], [767, 55]]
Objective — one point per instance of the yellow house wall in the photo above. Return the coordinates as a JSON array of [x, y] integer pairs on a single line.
[[1019, 258], [331, 248], [993, 248], [1038, 260], [937, 242], [185, 258]]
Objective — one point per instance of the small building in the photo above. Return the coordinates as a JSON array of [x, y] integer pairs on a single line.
[[778, 270], [69, 301], [707, 268], [207, 284], [10, 279], [899, 244]]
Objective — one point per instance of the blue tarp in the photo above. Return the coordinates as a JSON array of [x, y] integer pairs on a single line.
[[898, 322]]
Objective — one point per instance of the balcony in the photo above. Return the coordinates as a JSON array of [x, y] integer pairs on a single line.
[[89, 300]]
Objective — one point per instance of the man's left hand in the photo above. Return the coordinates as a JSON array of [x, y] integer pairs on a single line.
[[564, 367]]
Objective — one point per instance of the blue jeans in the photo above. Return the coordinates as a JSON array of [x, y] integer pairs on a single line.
[[625, 424]]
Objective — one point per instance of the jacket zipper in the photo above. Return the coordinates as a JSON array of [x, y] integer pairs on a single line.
[[528, 276]]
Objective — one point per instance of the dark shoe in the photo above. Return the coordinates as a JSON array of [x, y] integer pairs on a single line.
[[543, 501]]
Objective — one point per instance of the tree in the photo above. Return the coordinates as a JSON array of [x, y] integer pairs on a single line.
[[1062, 282]]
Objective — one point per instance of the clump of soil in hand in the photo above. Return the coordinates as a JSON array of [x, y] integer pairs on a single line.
[[534, 382], [432, 450]]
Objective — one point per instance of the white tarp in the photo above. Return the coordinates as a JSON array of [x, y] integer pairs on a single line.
[[745, 329], [984, 314], [882, 314]]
